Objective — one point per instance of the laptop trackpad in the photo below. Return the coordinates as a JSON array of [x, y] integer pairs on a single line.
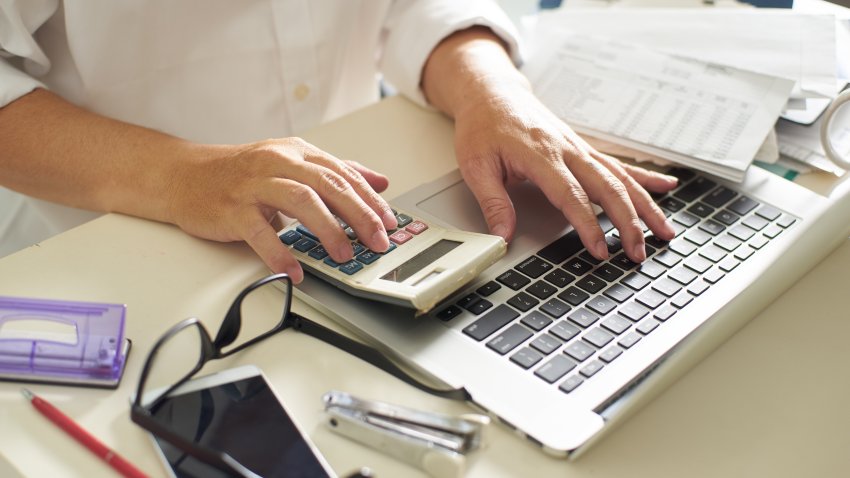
[[456, 206]]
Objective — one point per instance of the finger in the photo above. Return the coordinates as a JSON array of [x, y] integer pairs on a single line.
[[646, 208], [264, 241], [563, 190], [485, 182], [608, 191], [341, 196], [650, 180], [378, 181], [300, 201]]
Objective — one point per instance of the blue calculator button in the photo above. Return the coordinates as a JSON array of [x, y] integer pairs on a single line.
[[351, 267], [303, 230], [289, 237], [304, 244], [318, 253], [368, 257], [389, 249], [357, 247], [332, 262]]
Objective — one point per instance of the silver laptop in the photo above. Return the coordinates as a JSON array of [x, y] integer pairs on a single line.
[[560, 346]]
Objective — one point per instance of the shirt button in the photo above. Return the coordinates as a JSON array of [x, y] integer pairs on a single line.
[[301, 91]]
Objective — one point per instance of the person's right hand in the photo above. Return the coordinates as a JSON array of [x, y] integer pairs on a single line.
[[232, 192]]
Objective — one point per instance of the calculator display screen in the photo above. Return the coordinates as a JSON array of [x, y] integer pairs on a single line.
[[419, 261]]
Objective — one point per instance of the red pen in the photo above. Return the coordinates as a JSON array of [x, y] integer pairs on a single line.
[[79, 434]]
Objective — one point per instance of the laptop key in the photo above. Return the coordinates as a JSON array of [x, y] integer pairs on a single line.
[[573, 296], [651, 269], [686, 218], [712, 253], [667, 258], [628, 340], [651, 299], [742, 205], [534, 267], [559, 278], [768, 212], [712, 227], [598, 337], [647, 325], [619, 293], [682, 300], [526, 357], [682, 275], [541, 289], [579, 351], [633, 311], [564, 330], [491, 322], [665, 312], [555, 368], [513, 279], [577, 266], [726, 217], [449, 313], [555, 308], [671, 204], [698, 237], [719, 196], [700, 209], [546, 344], [583, 317], [562, 248], [616, 324], [698, 287], [666, 287], [509, 339], [608, 355], [488, 288], [607, 272], [601, 305], [741, 232], [591, 368], [523, 302], [536, 321], [480, 307], [591, 284], [698, 264], [571, 383], [713, 276], [786, 221], [744, 253], [636, 281], [695, 189]]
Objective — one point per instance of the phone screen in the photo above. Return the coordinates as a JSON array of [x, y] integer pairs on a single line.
[[244, 419]]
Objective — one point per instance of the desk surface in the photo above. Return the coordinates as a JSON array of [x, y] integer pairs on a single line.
[[771, 401]]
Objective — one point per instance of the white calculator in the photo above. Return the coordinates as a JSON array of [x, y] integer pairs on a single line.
[[424, 264]]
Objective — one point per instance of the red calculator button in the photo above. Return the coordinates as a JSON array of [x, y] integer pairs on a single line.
[[401, 236], [416, 227]]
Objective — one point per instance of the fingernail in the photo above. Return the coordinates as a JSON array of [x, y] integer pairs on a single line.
[[389, 220], [345, 252], [601, 250], [296, 274], [380, 239], [501, 230], [671, 179], [639, 252], [670, 229]]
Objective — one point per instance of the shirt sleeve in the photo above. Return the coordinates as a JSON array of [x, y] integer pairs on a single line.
[[414, 28], [21, 59]]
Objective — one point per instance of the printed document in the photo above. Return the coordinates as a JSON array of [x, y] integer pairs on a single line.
[[698, 114]]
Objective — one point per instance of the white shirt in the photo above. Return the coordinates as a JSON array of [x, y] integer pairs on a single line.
[[219, 71]]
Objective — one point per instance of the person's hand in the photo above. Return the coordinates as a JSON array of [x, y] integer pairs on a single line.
[[503, 133], [513, 137], [232, 192]]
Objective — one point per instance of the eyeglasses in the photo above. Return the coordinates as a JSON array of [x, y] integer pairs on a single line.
[[267, 303]]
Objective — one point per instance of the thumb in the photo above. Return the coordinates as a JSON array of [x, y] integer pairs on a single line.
[[495, 203]]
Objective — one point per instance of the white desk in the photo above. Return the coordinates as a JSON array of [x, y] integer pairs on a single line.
[[772, 401]]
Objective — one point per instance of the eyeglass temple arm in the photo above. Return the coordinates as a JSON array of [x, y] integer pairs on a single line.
[[370, 355]]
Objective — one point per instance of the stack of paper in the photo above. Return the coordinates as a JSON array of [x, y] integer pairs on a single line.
[[702, 88]]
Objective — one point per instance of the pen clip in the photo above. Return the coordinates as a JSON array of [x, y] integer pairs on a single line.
[[435, 442]]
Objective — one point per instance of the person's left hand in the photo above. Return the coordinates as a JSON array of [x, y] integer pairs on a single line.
[[511, 136]]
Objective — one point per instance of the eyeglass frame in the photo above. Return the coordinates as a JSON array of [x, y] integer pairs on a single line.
[[228, 332]]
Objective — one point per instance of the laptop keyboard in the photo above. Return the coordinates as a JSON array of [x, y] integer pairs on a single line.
[[569, 314]]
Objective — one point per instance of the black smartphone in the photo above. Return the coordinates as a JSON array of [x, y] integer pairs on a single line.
[[237, 412]]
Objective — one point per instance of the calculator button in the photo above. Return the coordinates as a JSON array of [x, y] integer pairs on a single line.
[[389, 249], [318, 253], [401, 236], [331, 262], [303, 230], [289, 237], [416, 227], [351, 267], [368, 257], [304, 244], [357, 248], [403, 219]]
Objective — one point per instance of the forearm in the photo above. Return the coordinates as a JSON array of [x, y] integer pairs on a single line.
[[52, 149], [469, 66]]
